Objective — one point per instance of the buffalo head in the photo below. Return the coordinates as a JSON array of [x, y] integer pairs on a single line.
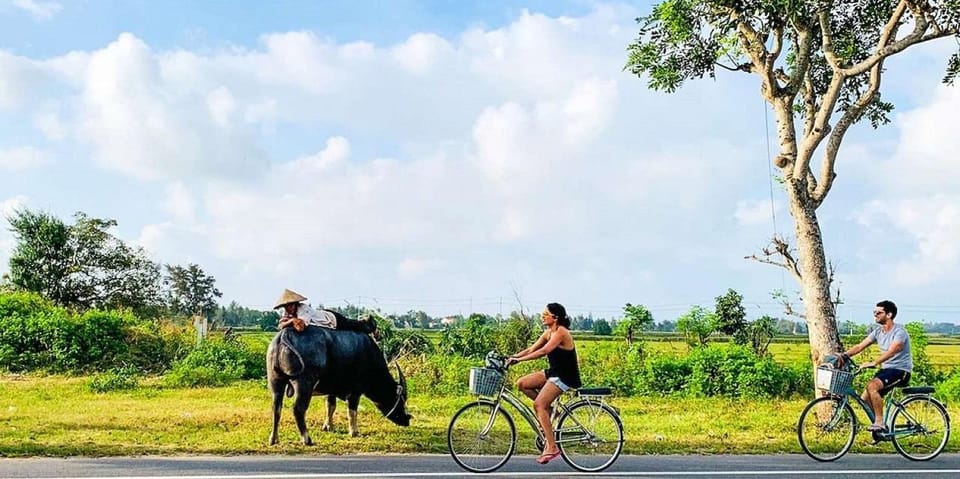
[[396, 410]]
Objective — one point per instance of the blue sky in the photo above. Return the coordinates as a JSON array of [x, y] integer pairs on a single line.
[[446, 155]]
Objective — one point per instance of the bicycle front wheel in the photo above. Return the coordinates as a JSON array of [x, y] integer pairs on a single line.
[[826, 429], [590, 436], [921, 429], [481, 436]]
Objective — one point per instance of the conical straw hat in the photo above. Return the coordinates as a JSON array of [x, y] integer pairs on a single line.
[[288, 297]]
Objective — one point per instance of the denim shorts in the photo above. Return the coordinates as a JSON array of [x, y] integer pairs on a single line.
[[555, 380]]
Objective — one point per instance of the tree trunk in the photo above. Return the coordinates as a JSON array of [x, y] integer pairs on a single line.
[[819, 310]]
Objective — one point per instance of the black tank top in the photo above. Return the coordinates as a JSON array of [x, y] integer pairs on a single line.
[[563, 365]]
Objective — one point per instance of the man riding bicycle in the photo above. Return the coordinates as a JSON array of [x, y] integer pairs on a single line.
[[895, 360]]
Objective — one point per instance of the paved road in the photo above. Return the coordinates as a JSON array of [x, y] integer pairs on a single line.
[[440, 466]]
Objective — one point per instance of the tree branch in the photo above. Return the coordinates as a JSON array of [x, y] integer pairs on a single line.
[[827, 172], [885, 49], [781, 248]]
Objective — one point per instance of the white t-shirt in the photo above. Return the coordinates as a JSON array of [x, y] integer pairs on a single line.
[[322, 318]]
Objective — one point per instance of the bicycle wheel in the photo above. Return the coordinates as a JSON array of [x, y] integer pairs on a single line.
[[481, 438], [920, 429], [590, 436], [826, 429]]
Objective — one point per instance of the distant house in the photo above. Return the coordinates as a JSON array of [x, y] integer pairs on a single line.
[[448, 321]]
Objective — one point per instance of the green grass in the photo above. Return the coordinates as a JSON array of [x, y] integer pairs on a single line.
[[59, 416]]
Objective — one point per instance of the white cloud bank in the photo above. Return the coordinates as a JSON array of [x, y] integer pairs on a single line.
[[449, 166]]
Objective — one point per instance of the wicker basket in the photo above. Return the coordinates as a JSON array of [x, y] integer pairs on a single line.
[[836, 381], [485, 381]]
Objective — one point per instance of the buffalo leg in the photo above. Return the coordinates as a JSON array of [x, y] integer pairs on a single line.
[[301, 402], [353, 401], [331, 408], [276, 387]]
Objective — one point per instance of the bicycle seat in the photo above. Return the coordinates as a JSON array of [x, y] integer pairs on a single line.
[[919, 390], [594, 391]]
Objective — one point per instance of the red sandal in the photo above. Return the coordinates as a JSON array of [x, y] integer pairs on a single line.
[[545, 458]]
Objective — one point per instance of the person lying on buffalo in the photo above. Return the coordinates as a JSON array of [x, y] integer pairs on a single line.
[[299, 315]]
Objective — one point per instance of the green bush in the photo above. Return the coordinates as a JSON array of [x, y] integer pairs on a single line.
[[117, 379], [662, 375], [949, 389], [216, 362], [474, 339]]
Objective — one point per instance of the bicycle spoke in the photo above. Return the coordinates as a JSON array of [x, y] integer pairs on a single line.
[[826, 429], [480, 438], [590, 436], [921, 429]]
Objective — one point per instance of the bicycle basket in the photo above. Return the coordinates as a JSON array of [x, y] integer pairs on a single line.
[[485, 381], [836, 381]]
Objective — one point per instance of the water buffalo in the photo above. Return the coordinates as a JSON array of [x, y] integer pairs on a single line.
[[337, 363]]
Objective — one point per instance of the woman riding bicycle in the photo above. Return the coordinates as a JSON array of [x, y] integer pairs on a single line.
[[563, 373]]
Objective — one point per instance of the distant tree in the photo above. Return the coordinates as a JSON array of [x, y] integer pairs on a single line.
[[636, 319], [190, 291], [81, 265], [731, 316], [666, 326], [602, 328], [697, 325], [760, 333]]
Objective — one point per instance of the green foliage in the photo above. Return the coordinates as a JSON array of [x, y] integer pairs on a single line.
[[949, 389], [923, 370], [760, 333], [216, 362], [190, 291], [515, 334], [396, 343], [602, 328], [80, 265], [474, 338], [636, 319], [696, 326], [731, 316], [37, 335], [736, 371], [116, 379]]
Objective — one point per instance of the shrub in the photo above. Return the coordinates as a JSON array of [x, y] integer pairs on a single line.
[[117, 379], [949, 389], [216, 362], [474, 339]]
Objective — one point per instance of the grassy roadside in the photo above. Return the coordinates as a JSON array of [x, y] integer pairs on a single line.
[[58, 416]]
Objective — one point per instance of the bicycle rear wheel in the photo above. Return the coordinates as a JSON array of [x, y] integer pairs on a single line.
[[920, 429], [826, 429], [481, 437], [590, 436]]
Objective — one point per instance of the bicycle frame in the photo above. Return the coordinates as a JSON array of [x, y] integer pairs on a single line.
[[531, 418], [890, 406]]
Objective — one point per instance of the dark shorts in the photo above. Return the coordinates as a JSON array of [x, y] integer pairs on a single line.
[[892, 378]]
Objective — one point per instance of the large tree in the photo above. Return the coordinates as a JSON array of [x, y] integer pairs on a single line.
[[80, 265], [819, 64], [191, 291]]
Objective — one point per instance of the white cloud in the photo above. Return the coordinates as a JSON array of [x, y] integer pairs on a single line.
[[38, 9], [143, 125], [179, 204], [412, 268], [22, 158], [754, 212], [421, 52], [8, 207]]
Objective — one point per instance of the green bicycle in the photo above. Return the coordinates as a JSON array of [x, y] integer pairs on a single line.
[[917, 423], [482, 436]]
